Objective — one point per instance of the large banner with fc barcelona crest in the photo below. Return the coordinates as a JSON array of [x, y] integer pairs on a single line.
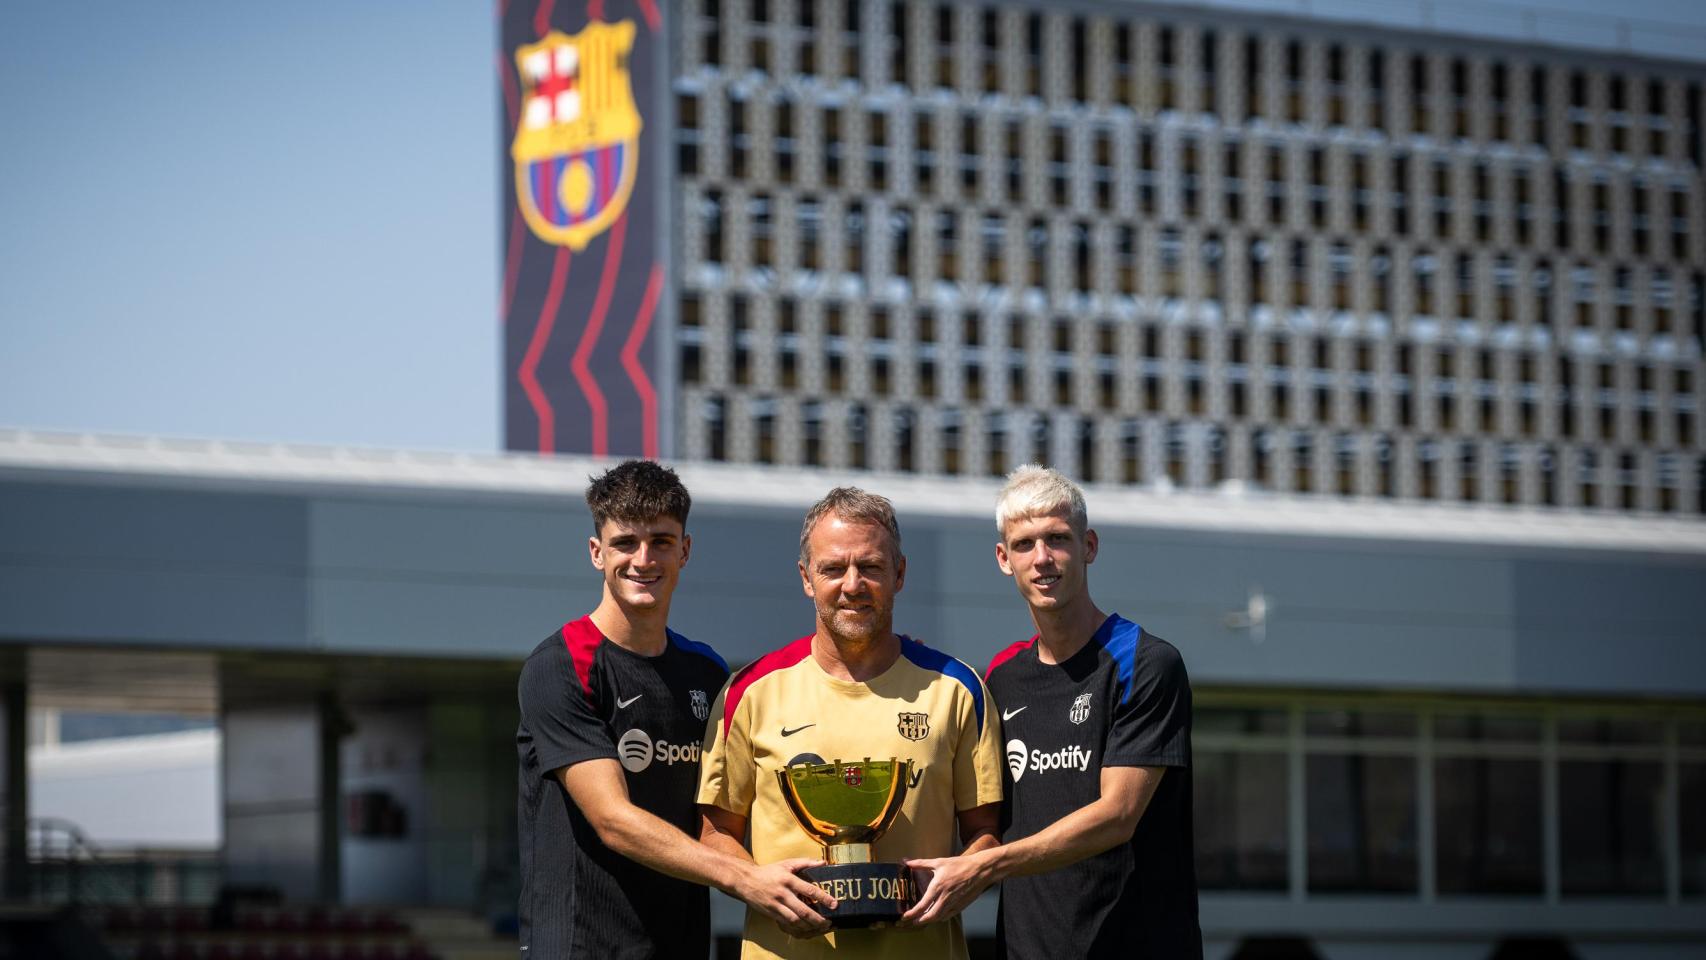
[[583, 269]]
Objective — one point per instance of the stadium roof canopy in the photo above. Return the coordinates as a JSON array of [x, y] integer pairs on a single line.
[[38, 456]]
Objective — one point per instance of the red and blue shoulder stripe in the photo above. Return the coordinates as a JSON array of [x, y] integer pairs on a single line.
[[769, 663], [1120, 638], [702, 649], [949, 667], [1009, 653], [582, 638]]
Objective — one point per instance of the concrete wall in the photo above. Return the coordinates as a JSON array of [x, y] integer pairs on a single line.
[[160, 791], [277, 803], [386, 751]]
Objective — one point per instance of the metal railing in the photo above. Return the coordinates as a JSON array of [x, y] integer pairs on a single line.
[[64, 866]]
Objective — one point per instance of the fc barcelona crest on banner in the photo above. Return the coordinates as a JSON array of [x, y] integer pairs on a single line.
[[577, 138], [914, 726]]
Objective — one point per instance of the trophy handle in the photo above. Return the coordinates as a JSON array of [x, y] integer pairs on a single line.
[[818, 830], [897, 796]]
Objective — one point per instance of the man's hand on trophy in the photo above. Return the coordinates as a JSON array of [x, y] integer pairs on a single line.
[[946, 885], [776, 890]]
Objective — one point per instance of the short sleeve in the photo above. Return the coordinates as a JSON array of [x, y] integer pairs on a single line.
[[555, 709], [727, 771], [1152, 727], [978, 758]]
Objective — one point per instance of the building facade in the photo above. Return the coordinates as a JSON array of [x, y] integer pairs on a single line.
[[1189, 247], [1420, 729]]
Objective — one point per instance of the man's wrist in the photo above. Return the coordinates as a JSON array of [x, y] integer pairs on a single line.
[[992, 863], [733, 875]]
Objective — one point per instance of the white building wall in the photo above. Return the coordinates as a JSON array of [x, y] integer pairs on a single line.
[[154, 792]]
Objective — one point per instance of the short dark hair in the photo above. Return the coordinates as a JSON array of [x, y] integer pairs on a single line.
[[635, 491], [850, 503]]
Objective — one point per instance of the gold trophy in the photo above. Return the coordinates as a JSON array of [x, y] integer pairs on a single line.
[[846, 806]]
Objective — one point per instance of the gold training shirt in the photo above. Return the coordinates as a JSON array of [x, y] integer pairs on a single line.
[[928, 708]]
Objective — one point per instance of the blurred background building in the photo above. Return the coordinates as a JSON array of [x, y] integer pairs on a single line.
[[1191, 247], [1374, 331]]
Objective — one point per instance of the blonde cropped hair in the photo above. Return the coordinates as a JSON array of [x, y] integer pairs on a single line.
[[1038, 491]]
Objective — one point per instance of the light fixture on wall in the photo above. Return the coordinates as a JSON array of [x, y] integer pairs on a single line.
[[1254, 616]]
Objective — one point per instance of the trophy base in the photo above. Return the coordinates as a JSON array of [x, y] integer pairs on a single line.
[[866, 893]]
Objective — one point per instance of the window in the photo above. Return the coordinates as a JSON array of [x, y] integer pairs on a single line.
[[1612, 828], [1239, 783], [1361, 770], [1487, 805]]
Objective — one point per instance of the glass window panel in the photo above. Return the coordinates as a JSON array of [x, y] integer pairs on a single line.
[[1487, 826], [1692, 789], [1238, 720], [1362, 824], [1612, 827], [1240, 820], [1359, 723], [1487, 727], [1691, 733], [1618, 730]]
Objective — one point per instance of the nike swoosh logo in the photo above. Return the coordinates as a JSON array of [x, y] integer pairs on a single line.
[[788, 733], [1007, 715], [623, 704]]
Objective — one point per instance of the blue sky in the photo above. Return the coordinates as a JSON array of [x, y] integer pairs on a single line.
[[272, 222], [280, 221]]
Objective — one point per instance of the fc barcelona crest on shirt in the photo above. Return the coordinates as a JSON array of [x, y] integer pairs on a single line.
[[576, 145], [700, 703], [914, 726], [1080, 709]]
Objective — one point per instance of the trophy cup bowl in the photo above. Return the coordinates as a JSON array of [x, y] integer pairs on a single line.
[[845, 807]]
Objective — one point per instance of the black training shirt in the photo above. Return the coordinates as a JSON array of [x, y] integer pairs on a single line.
[[1123, 701], [585, 698]]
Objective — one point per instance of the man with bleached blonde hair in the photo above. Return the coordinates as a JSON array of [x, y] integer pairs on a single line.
[[1096, 858]]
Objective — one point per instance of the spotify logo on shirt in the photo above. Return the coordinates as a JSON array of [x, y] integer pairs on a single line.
[[1016, 758], [1019, 759], [637, 750]]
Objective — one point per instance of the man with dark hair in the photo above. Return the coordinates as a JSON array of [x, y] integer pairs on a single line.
[[851, 689], [613, 709], [1097, 858]]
